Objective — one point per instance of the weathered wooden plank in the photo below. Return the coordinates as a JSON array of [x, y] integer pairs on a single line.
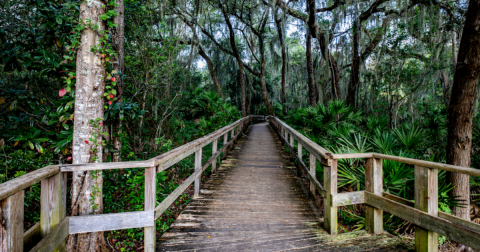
[[398, 199], [313, 167], [330, 212], [348, 198], [52, 205], [440, 166], [31, 237], [352, 155], [459, 221], [198, 166], [374, 184], [214, 151], [150, 201], [115, 221], [299, 155], [54, 239], [106, 166], [444, 227], [17, 184], [11, 223], [426, 200]]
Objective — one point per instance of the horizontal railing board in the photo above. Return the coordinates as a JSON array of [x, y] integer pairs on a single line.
[[53, 239], [428, 164], [32, 236], [308, 144], [316, 183], [436, 224], [114, 221], [172, 157], [17, 184], [348, 198], [180, 189], [106, 166], [352, 155]]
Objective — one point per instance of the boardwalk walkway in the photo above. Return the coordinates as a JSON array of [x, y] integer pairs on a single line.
[[254, 202]]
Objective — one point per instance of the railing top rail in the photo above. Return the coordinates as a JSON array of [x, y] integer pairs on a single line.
[[306, 142], [324, 153], [13, 186]]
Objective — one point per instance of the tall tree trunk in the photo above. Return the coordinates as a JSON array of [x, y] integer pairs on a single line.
[[354, 75], [312, 96], [284, 63], [89, 102], [336, 92], [118, 40], [211, 70], [460, 111]]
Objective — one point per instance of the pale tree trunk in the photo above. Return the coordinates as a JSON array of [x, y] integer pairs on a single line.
[[279, 25], [312, 94], [89, 104], [460, 111], [118, 40]]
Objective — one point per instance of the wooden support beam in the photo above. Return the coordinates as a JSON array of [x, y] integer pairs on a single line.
[[54, 239], [52, 205], [330, 212], [114, 221], [31, 237], [214, 151], [374, 184], [299, 151], [11, 223], [150, 201], [15, 185], [454, 231], [313, 167], [426, 200], [348, 198], [198, 165]]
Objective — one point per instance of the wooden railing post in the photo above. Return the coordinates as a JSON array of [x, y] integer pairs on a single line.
[[292, 152], [233, 133], [313, 165], [225, 141], [426, 199], [373, 184], [214, 151], [198, 165], [52, 205], [299, 150], [330, 212], [150, 201], [11, 223]]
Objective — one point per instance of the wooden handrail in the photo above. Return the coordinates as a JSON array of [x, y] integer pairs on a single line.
[[423, 212], [54, 228]]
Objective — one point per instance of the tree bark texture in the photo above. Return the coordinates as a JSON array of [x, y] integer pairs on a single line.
[[354, 75], [118, 40], [279, 25], [336, 92], [460, 111], [312, 96], [211, 70], [89, 102]]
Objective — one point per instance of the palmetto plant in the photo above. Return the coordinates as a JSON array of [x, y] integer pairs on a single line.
[[411, 137], [383, 141]]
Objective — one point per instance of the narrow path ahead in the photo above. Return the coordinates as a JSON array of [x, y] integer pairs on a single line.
[[254, 202]]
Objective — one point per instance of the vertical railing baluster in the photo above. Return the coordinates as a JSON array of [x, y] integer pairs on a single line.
[[214, 151], [11, 227], [198, 166], [52, 209], [426, 199], [373, 184], [299, 150], [330, 212], [292, 151], [150, 201], [313, 162]]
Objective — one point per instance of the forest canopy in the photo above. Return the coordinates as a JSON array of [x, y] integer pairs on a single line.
[[123, 80]]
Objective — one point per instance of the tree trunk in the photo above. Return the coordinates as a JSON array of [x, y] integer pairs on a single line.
[[354, 75], [311, 82], [211, 69], [336, 92], [118, 40], [284, 64], [89, 102], [460, 111]]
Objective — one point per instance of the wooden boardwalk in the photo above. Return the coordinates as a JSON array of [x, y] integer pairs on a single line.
[[254, 202]]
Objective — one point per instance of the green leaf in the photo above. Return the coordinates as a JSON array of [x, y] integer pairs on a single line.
[[59, 20]]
